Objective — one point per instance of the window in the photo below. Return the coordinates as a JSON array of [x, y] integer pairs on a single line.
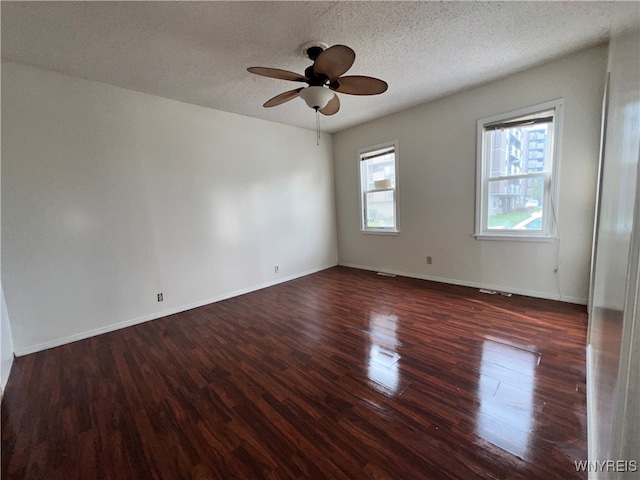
[[379, 189], [516, 174]]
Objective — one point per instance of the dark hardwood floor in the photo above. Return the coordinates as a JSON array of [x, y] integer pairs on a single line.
[[341, 374]]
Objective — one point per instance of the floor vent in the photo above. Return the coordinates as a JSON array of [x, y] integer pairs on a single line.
[[494, 292], [385, 274]]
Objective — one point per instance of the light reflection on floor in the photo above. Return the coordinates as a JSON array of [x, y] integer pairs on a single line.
[[382, 368], [505, 389]]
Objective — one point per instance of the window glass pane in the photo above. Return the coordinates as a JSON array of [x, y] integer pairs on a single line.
[[380, 209], [380, 172], [515, 204], [518, 150]]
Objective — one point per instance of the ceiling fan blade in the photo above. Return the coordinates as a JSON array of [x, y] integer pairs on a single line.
[[334, 61], [332, 107], [278, 73], [361, 85], [282, 98]]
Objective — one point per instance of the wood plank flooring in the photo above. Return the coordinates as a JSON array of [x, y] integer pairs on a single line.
[[341, 374]]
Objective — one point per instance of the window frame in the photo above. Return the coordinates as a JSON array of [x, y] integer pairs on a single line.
[[549, 230], [364, 229]]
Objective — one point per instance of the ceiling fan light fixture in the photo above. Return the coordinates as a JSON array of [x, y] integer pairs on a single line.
[[316, 97]]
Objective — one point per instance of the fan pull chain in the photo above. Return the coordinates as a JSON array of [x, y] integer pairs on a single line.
[[317, 127]]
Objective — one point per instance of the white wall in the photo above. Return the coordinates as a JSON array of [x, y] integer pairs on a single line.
[[111, 196], [614, 340], [6, 340], [437, 165]]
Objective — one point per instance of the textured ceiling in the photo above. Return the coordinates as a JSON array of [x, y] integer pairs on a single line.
[[198, 52]]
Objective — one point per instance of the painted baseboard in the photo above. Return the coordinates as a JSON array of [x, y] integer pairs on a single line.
[[464, 283], [154, 316]]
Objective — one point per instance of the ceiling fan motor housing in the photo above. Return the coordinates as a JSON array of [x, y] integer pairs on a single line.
[[314, 78]]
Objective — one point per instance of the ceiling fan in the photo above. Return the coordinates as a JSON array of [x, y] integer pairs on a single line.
[[324, 78]]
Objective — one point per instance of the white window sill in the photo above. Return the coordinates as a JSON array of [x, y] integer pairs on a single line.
[[515, 238], [380, 232]]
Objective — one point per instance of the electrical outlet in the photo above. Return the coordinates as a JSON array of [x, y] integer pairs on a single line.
[[276, 269], [160, 298], [429, 260]]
